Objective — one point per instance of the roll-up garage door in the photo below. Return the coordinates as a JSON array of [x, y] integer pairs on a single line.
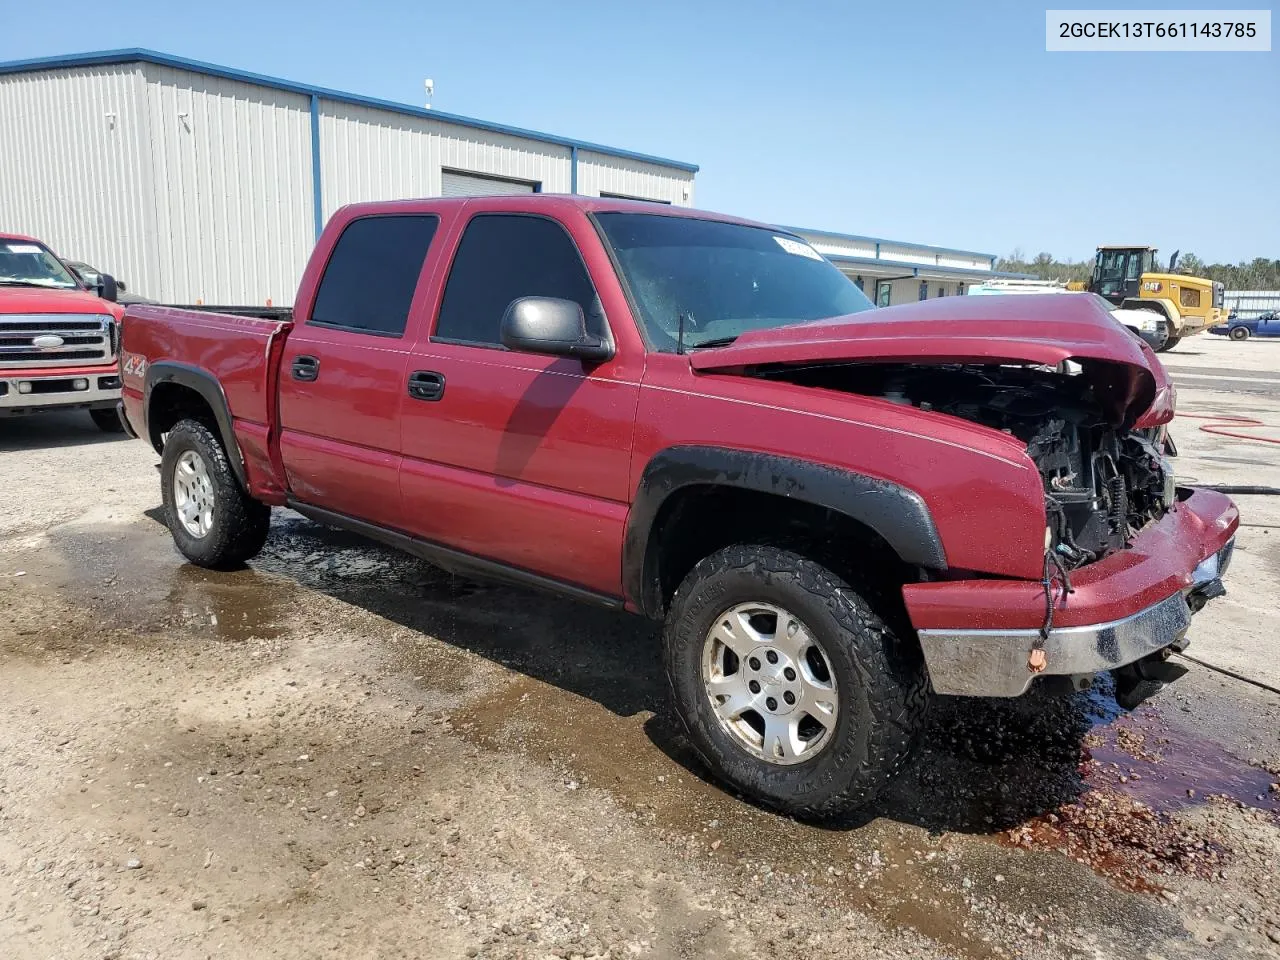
[[455, 184]]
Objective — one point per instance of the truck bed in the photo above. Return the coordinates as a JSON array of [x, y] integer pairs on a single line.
[[233, 358], [251, 310]]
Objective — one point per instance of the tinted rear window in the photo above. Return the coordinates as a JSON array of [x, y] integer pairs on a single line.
[[372, 273]]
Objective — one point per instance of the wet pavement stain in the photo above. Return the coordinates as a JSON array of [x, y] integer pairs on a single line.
[[1053, 776], [1136, 772], [906, 880], [1170, 769]]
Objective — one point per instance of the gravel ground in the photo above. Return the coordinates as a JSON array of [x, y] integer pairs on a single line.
[[341, 749]]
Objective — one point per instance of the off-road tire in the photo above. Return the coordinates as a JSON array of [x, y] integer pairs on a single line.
[[1169, 344], [107, 420], [882, 685], [240, 523], [1238, 333]]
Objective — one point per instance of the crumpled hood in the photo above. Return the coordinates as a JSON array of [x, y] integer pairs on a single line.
[[1039, 329], [38, 300]]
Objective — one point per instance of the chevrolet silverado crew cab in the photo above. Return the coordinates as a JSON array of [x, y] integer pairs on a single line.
[[834, 511], [58, 338]]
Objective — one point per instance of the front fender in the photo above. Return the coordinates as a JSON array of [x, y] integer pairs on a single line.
[[897, 514]]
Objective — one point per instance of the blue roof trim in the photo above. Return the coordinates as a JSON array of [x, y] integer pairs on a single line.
[[897, 243], [140, 54], [927, 267]]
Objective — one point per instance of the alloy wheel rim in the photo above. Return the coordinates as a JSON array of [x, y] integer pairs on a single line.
[[770, 683], [193, 494]]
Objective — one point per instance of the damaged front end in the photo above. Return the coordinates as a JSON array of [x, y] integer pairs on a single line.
[[1103, 481], [1106, 484]]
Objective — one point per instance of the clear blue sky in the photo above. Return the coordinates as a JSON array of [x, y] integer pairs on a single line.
[[943, 123]]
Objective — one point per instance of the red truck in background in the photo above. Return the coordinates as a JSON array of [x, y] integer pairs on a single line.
[[835, 511], [58, 338]]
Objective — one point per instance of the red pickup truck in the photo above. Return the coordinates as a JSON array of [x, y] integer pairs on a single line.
[[58, 338], [834, 510]]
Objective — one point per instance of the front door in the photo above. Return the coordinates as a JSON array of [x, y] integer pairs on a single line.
[[342, 375], [519, 457]]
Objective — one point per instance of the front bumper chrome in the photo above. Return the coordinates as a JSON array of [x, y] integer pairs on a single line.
[[993, 663], [48, 393]]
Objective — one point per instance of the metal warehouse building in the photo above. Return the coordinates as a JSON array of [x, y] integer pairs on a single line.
[[196, 183], [893, 271]]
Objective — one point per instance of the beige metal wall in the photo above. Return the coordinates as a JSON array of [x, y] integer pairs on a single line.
[[371, 154], [231, 165], [600, 173], [73, 148]]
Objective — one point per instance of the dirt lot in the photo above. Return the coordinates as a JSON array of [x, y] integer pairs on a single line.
[[342, 750]]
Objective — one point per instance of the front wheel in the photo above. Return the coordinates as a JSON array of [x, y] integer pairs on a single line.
[[214, 522], [791, 686], [1239, 333]]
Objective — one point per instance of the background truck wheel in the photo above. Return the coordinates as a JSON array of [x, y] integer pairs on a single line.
[[214, 522], [107, 420], [1163, 339], [791, 686], [1239, 333]]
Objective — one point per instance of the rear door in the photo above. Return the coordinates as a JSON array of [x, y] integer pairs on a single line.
[[343, 370], [523, 458]]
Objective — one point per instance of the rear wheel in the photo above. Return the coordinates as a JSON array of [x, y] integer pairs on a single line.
[[791, 686], [1239, 333], [214, 522], [107, 420]]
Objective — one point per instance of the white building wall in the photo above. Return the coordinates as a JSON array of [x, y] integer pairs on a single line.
[[231, 168], [904, 253], [833, 247], [372, 154], [72, 155], [964, 261], [599, 173], [197, 188]]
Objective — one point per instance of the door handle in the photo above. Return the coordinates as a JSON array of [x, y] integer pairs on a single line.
[[305, 368], [426, 385]]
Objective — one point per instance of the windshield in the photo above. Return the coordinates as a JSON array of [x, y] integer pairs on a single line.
[[725, 278], [1112, 264], [27, 264]]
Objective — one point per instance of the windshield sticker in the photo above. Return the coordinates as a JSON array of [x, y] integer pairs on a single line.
[[798, 249], [23, 248]]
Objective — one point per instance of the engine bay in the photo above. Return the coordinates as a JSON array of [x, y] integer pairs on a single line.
[[1102, 484]]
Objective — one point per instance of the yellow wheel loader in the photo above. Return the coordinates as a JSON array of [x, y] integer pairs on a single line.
[[1129, 277]]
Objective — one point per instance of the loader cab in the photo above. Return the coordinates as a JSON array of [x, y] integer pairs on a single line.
[[1117, 271]]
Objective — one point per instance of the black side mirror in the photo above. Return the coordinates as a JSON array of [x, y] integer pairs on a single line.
[[108, 289], [120, 287], [554, 326]]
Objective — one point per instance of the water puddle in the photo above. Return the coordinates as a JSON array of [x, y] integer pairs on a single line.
[[1169, 768], [1137, 773]]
